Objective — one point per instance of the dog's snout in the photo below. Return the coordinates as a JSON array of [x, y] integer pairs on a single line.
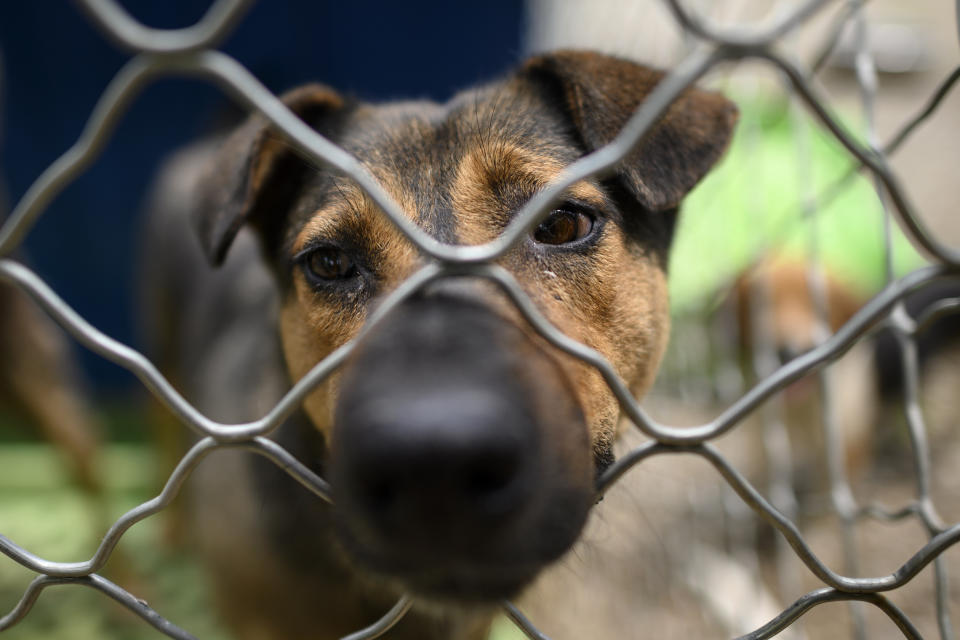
[[452, 460], [460, 464]]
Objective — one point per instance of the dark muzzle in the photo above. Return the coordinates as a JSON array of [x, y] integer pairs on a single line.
[[461, 463]]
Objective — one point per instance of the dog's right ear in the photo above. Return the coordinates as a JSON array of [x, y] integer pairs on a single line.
[[598, 94], [255, 175]]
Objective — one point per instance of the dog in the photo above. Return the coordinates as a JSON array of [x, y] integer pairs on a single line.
[[462, 449], [779, 320], [776, 311], [40, 381], [779, 316]]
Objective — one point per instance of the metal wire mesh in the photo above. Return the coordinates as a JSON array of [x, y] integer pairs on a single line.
[[192, 51]]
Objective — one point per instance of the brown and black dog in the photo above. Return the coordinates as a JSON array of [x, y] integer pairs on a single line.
[[461, 448]]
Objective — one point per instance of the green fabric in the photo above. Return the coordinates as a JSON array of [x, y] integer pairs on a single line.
[[753, 203]]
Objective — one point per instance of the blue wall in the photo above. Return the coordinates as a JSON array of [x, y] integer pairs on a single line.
[[57, 64]]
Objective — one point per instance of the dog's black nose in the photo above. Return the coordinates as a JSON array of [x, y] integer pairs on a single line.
[[440, 467], [459, 461]]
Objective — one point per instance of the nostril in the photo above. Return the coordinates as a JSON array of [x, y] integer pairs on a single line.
[[466, 456], [490, 475], [380, 493], [481, 480]]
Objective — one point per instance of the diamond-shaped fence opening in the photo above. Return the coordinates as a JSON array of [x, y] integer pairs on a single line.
[[192, 51]]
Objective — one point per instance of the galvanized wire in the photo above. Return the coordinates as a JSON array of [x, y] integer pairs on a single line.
[[384, 624], [134, 604], [189, 51], [867, 79], [126, 32], [821, 596]]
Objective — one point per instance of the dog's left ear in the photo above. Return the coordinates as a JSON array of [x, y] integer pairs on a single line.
[[255, 174], [599, 93]]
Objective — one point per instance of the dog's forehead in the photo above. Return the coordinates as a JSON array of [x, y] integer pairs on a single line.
[[499, 113], [473, 160]]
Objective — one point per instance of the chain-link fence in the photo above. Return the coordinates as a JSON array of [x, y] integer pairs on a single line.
[[191, 51]]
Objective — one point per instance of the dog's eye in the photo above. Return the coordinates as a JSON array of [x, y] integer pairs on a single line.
[[327, 263], [564, 226]]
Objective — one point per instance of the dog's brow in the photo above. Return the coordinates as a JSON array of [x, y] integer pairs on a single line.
[[347, 207], [493, 165], [588, 193], [324, 224], [320, 225]]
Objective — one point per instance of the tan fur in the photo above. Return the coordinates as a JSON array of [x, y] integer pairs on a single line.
[[590, 308], [777, 309], [310, 330], [490, 164]]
